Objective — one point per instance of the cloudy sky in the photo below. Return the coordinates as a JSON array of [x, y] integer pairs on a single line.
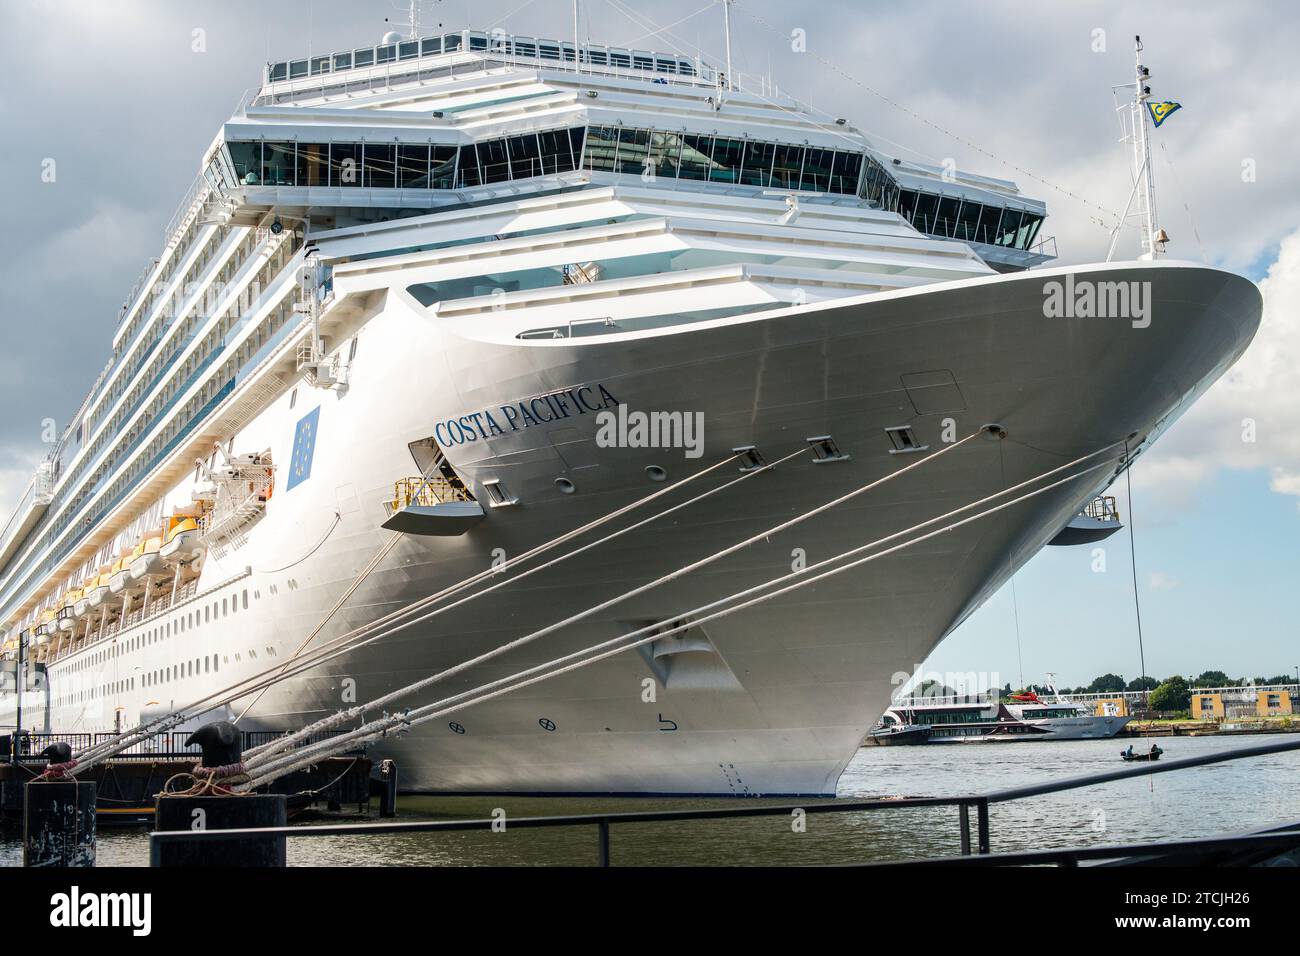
[[124, 96]]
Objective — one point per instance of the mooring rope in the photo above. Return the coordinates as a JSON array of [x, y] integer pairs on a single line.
[[259, 762], [376, 729]]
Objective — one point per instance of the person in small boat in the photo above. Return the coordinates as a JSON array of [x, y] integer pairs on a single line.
[[1155, 751], [1129, 753]]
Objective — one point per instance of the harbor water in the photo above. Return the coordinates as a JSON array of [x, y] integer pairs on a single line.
[[1230, 797]]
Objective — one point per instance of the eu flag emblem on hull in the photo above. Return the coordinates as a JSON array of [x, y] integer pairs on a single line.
[[304, 446], [1162, 111]]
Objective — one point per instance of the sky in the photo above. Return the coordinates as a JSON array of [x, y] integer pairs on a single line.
[[106, 108]]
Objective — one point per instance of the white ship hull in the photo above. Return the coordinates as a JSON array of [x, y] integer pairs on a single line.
[[775, 700]]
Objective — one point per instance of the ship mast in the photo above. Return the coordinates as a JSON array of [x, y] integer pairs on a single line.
[[1152, 244], [1153, 237]]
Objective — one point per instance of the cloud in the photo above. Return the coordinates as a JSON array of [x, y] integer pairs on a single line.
[[1162, 581], [1246, 421]]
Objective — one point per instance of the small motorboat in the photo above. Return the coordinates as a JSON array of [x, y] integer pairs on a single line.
[[1153, 754]]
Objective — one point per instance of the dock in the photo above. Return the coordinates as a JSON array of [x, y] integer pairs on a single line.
[[127, 784]]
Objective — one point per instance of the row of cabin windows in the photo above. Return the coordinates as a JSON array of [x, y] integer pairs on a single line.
[[231, 604]]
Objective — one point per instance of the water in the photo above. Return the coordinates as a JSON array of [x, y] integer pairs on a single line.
[[1247, 794]]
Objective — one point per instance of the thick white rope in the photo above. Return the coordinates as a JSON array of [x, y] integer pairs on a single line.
[[387, 721], [380, 728]]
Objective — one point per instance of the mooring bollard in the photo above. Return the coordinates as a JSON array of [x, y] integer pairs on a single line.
[[211, 805], [386, 788], [58, 814]]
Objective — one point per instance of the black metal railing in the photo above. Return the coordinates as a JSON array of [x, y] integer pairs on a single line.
[[1283, 838], [170, 745]]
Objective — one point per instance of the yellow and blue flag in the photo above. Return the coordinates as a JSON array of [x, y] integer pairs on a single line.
[[1162, 111]]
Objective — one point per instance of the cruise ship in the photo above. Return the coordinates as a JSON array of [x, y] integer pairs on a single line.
[[408, 285]]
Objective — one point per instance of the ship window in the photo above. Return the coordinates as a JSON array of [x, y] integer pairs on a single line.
[[924, 212], [364, 57], [666, 66], [1009, 226], [246, 158], [467, 168], [757, 167], [313, 164], [413, 166], [525, 156], [968, 220], [602, 146], [385, 54], [555, 152], [945, 222], [450, 42], [277, 164], [319, 65], [342, 61], [599, 57], [279, 71], [380, 169], [1028, 229], [430, 45], [695, 157], [665, 153], [987, 230], [725, 167], [633, 145], [345, 164], [477, 41], [817, 169], [845, 173], [297, 68], [525, 49], [786, 167], [492, 161], [442, 166], [408, 50], [643, 62]]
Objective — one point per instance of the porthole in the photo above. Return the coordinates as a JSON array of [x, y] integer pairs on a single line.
[[655, 473], [565, 486]]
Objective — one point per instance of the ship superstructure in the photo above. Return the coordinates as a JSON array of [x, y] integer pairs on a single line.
[[442, 257]]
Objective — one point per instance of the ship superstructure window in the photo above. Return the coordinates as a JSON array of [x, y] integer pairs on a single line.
[[720, 159]]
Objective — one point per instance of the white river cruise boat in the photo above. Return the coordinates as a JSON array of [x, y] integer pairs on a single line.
[[407, 282]]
